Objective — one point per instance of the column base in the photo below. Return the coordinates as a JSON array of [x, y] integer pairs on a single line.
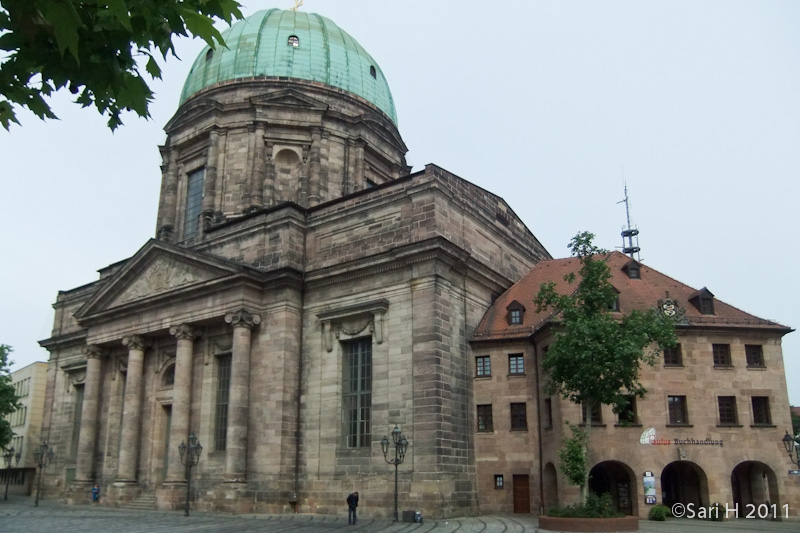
[[79, 492], [121, 492]]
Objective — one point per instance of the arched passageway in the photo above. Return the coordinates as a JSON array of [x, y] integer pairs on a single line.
[[550, 484], [618, 480], [684, 482], [753, 483]]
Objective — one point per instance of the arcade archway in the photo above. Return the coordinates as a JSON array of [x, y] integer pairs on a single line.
[[753, 483], [618, 480], [684, 482]]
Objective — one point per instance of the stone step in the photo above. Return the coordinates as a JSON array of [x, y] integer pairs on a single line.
[[145, 502]]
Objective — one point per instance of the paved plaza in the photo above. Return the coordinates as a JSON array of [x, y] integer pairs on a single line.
[[18, 515]]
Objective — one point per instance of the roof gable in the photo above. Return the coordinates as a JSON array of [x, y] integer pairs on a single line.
[[157, 269]]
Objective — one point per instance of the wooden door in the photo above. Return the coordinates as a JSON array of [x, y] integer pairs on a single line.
[[522, 495]]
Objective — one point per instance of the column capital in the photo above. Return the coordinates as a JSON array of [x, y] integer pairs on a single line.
[[134, 342], [242, 319], [93, 351], [184, 331]]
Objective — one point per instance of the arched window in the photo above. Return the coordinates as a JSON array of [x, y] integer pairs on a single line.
[[169, 377], [373, 72], [293, 41]]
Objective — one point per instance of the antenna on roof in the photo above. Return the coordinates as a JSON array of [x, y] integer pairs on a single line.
[[631, 234]]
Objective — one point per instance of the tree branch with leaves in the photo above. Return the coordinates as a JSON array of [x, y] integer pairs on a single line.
[[9, 401], [596, 357], [95, 48]]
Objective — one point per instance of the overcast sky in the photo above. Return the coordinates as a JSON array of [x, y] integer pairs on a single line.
[[552, 105]]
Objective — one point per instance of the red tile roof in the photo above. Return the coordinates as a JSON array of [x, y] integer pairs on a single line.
[[640, 293]]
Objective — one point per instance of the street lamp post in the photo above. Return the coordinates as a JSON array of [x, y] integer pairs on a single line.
[[400, 446], [792, 445], [43, 455], [8, 456], [190, 456]]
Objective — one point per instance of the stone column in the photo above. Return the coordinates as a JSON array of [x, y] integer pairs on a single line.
[[314, 172], [238, 399], [359, 182], [269, 176], [91, 403], [210, 177], [257, 196], [132, 410], [167, 211], [181, 401]]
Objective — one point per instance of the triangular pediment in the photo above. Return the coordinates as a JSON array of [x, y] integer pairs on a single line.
[[158, 269], [289, 98]]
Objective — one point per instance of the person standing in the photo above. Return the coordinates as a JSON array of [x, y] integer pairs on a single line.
[[95, 494], [352, 504]]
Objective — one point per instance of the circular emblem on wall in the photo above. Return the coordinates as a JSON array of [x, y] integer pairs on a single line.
[[648, 436]]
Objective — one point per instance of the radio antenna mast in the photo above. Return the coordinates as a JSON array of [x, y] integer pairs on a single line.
[[631, 235]]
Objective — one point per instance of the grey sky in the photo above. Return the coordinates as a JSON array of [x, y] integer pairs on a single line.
[[547, 104]]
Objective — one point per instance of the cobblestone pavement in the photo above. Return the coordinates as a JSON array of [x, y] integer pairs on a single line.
[[18, 515]]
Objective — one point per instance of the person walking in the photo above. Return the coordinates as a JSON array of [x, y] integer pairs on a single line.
[[352, 504], [95, 494]]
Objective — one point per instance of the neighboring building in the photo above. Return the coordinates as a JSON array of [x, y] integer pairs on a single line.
[[29, 385], [304, 294], [709, 428]]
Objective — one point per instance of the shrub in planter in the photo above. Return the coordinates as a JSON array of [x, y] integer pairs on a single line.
[[595, 507], [659, 513]]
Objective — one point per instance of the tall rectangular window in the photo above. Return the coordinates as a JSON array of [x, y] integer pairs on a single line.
[[673, 356], [627, 414], [722, 354], [76, 422], [519, 417], [591, 412], [727, 410], [548, 413], [755, 355], [223, 395], [761, 413], [516, 364], [357, 391], [194, 204], [483, 366], [485, 418], [677, 410]]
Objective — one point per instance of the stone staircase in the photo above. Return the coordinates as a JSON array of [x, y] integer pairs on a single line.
[[145, 502]]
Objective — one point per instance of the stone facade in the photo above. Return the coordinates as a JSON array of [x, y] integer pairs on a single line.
[[725, 446], [410, 266], [26, 422]]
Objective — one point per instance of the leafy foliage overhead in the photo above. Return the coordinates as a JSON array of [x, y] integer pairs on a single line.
[[95, 49], [596, 356], [8, 398]]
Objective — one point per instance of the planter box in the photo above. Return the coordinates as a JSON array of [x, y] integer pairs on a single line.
[[626, 523]]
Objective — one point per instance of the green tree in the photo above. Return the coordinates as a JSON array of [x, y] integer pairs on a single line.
[[95, 49], [9, 402], [596, 357], [795, 421]]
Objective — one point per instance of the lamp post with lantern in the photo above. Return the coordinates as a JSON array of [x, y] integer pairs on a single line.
[[43, 455], [190, 456], [792, 445], [8, 457], [400, 447]]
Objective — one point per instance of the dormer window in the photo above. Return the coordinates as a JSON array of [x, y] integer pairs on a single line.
[[614, 306], [293, 41], [703, 300], [516, 312], [633, 270], [373, 72]]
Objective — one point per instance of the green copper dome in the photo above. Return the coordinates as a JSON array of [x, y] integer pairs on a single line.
[[292, 44]]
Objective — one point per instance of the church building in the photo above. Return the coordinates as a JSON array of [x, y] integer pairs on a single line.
[[304, 294]]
